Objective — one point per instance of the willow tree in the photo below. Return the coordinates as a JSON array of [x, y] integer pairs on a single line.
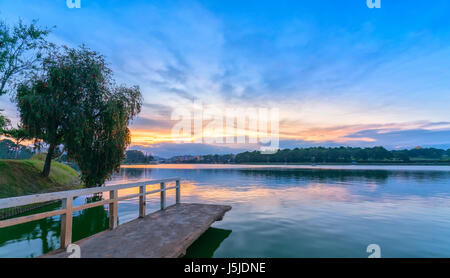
[[99, 145], [75, 102]]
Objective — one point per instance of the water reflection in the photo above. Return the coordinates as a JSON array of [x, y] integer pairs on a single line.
[[283, 212], [131, 174], [35, 238], [44, 232], [207, 244], [90, 221]]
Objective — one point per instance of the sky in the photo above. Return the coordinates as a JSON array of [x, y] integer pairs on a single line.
[[339, 73]]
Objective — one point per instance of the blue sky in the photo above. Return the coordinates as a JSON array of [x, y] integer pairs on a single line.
[[340, 73]]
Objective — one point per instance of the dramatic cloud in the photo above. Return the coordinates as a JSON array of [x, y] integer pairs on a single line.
[[339, 74]]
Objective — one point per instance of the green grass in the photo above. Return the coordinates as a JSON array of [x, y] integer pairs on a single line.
[[23, 177]]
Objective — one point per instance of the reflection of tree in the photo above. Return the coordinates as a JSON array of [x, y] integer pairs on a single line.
[[90, 221], [319, 175], [48, 230], [323, 175], [30, 230], [45, 229], [47, 226], [207, 244], [134, 173]]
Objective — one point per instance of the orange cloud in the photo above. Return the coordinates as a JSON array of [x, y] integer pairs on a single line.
[[288, 130]]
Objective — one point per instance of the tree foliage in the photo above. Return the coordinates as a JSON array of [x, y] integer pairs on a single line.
[[18, 135], [75, 102], [21, 48], [9, 150], [137, 157]]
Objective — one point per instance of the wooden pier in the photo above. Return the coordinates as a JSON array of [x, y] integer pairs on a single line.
[[166, 233], [163, 234]]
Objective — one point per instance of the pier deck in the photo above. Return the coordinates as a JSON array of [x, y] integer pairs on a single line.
[[163, 234]]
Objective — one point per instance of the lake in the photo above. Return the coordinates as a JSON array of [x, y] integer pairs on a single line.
[[282, 211]]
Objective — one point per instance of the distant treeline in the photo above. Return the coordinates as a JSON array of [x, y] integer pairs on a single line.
[[345, 155], [11, 150], [8, 150], [210, 158], [136, 157], [324, 155]]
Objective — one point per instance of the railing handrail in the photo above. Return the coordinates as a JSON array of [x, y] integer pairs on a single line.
[[67, 209], [46, 197]]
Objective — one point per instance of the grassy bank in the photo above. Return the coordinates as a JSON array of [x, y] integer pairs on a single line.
[[23, 177]]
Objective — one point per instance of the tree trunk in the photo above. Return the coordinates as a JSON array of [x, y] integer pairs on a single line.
[[48, 160], [17, 149]]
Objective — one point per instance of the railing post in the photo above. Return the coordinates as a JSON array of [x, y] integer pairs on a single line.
[[66, 222], [178, 197], [113, 210], [142, 190], [163, 195]]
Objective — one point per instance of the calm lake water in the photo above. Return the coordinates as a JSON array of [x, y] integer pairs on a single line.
[[283, 211]]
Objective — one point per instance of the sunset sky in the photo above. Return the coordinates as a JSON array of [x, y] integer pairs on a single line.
[[339, 72]]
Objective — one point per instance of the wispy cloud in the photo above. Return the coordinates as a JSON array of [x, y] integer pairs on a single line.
[[340, 74]]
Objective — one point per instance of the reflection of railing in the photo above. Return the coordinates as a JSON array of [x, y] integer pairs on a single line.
[[67, 200]]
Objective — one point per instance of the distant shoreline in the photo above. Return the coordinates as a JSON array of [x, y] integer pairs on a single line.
[[358, 163], [311, 164]]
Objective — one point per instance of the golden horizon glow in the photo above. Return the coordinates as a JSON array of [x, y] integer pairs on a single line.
[[148, 138]]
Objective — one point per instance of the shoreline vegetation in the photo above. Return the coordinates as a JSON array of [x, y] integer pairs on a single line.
[[420, 163], [388, 163], [322, 155]]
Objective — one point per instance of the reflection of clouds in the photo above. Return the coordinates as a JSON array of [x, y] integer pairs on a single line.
[[315, 200], [254, 195], [288, 188], [313, 193], [370, 186], [264, 196]]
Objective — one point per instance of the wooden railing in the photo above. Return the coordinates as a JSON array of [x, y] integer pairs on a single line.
[[67, 208]]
